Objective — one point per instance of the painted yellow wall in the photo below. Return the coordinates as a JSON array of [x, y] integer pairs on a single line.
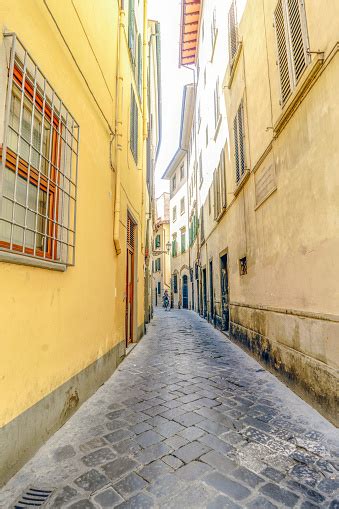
[[55, 324]]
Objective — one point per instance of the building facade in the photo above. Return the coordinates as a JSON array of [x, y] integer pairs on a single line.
[[176, 173], [73, 132], [264, 253], [161, 260]]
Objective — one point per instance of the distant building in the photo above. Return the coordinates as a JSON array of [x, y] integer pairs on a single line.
[[161, 260], [176, 173]]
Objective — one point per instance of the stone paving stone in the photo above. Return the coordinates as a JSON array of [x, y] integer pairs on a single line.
[[212, 427], [64, 453], [188, 419], [219, 461], [63, 496], [172, 461], [223, 502], [127, 446], [94, 443], [118, 435], [149, 438], [141, 501], [176, 442], [165, 487], [155, 469], [215, 443], [152, 453], [116, 468], [281, 495], [309, 505], [226, 485], [196, 496], [329, 485], [98, 457], [169, 429], [273, 474], [260, 503], [91, 480], [191, 451], [334, 504], [82, 504], [130, 485], [247, 477], [191, 433], [107, 498], [310, 493], [193, 471], [141, 427]]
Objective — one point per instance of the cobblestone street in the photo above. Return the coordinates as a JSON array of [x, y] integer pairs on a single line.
[[188, 420]]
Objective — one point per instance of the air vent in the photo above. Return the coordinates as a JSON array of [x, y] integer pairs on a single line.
[[33, 497]]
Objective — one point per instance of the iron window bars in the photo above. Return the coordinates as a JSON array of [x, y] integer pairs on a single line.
[[39, 165]]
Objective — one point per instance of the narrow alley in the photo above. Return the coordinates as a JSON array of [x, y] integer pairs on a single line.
[[188, 420]]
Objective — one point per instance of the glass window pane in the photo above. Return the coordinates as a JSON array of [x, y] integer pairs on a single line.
[[8, 183]]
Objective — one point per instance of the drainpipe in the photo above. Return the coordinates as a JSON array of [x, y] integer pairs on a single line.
[[119, 136]]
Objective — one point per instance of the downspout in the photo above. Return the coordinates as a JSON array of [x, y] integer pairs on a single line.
[[119, 136]]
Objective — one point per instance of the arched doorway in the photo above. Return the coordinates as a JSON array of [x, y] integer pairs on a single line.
[[185, 292]]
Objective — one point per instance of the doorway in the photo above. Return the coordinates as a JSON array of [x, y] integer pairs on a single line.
[[185, 292], [211, 292], [130, 280], [225, 315], [204, 291]]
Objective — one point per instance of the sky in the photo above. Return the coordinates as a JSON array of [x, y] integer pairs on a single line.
[[173, 80]]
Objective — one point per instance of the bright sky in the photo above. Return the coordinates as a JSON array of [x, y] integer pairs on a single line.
[[173, 80]]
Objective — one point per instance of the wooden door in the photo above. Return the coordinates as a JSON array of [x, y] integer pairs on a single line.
[[224, 293], [130, 280]]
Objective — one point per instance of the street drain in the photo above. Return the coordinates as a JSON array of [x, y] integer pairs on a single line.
[[33, 497]]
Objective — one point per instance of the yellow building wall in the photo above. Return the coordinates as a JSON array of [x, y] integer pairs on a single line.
[[56, 324]]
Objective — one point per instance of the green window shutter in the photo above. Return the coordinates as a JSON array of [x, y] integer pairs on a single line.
[[139, 64]]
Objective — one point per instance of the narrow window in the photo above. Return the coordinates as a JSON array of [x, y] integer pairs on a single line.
[[134, 127], [200, 168], [174, 183], [175, 283], [182, 172], [157, 241], [139, 65], [183, 241], [216, 103], [159, 288], [239, 146], [232, 32], [182, 205], [174, 213], [291, 36], [39, 165]]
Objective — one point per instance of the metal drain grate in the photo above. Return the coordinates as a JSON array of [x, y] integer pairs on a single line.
[[33, 497]]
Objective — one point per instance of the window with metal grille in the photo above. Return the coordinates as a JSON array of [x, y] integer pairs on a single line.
[[39, 165], [130, 233], [157, 264], [134, 126], [157, 241], [132, 31], [239, 143], [216, 104], [175, 283], [174, 213], [292, 44], [233, 40], [183, 240], [182, 205]]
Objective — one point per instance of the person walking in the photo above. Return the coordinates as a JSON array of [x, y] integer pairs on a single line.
[[166, 302]]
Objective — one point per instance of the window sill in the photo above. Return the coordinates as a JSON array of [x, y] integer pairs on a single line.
[[21, 259], [233, 65], [299, 93], [217, 127], [242, 182]]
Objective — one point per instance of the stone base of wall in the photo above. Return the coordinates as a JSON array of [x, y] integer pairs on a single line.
[[22, 437], [311, 379]]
